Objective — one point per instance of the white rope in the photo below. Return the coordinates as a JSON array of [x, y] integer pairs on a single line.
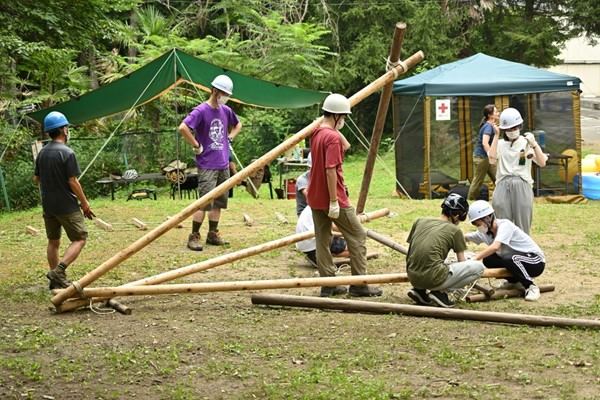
[[406, 120], [129, 112], [379, 159], [100, 310]]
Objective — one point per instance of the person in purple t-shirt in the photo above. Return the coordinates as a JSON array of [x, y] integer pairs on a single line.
[[209, 128]]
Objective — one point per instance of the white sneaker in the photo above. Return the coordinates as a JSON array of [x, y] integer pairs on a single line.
[[532, 293]]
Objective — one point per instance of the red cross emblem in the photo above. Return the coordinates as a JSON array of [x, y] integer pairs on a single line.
[[443, 108]]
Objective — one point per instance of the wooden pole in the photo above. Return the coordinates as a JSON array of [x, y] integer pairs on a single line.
[[420, 311], [160, 230], [107, 292], [386, 241], [427, 146], [217, 261], [382, 109], [114, 304], [505, 294]]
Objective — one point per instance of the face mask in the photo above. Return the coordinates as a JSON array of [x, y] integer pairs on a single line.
[[512, 135], [483, 229], [223, 100]]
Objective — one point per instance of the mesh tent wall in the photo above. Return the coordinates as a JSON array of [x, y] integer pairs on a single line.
[[432, 156]]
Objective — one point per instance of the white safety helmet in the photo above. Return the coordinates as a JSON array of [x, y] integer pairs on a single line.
[[337, 104], [479, 209], [510, 118], [223, 83]]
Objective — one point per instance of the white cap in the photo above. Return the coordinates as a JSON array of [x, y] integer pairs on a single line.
[[510, 118], [223, 83], [337, 104], [479, 209]]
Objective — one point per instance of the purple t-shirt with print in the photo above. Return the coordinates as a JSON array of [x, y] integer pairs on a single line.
[[211, 126]]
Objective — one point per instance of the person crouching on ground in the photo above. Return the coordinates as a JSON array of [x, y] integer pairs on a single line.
[[305, 223], [507, 247], [430, 242], [329, 202]]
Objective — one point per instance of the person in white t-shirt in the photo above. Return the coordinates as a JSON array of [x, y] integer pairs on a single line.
[[309, 246], [507, 247], [513, 154], [301, 186]]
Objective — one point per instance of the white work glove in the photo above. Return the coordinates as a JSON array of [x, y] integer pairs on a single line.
[[198, 150], [530, 139], [334, 209]]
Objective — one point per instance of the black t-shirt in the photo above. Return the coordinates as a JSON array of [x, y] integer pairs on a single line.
[[55, 164]]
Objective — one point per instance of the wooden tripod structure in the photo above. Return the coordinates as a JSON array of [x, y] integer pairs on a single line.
[[77, 288]]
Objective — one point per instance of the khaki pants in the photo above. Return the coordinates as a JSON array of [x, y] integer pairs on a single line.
[[354, 234], [482, 168]]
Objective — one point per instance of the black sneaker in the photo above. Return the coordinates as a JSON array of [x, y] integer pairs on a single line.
[[441, 299], [328, 291], [365, 291], [420, 297]]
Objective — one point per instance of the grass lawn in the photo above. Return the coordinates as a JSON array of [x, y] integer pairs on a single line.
[[219, 346]]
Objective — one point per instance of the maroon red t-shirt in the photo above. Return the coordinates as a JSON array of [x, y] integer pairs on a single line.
[[327, 152]]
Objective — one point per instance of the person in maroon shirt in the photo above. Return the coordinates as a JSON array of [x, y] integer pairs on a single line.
[[326, 195]]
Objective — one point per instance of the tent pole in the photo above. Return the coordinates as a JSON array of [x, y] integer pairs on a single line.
[[530, 112], [373, 307], [217, 261], [382, 108], [427, 146], [462, 139], [576, 99], [265, 284], [142, 242]]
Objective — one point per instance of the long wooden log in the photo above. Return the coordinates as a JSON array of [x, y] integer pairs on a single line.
[[160, 230], [420, 311], [505, 294], [386, 241], [107, 292], [382, 109], [217, 261]]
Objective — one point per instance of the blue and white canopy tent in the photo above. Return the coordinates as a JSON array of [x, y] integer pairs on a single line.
[[548, 101]]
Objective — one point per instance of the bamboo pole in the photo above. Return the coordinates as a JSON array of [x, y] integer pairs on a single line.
[[382, 109], [217, 261], [231, 286], [420, 311], [505, 294], [427, 146], [160, 230], [386, 241]]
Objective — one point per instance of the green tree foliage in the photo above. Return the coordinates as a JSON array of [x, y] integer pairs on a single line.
[[54, 50]]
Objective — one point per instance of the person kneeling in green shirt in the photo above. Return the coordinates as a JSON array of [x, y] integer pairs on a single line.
[[430, 242]]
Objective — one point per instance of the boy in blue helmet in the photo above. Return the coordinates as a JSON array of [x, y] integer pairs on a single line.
[[56, 172]]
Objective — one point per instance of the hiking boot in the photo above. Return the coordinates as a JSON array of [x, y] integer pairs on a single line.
[[328, 291], [420, 297], [194, 241], [58, 279], [214, 238], [364, 291], [532, 293], [441, 299]]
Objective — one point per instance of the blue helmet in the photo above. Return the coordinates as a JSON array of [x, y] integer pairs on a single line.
[[54, 120]]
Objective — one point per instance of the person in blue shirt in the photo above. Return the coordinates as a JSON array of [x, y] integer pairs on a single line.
[[481, 163]]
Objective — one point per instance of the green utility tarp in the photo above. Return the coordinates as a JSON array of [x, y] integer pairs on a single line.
[[483, 75], [164, 73]]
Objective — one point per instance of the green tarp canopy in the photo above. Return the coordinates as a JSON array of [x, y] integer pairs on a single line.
[[483, 75], [167, 71]]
